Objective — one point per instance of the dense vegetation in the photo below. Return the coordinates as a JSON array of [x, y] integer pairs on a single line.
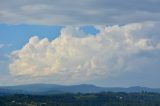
[[90, 99]]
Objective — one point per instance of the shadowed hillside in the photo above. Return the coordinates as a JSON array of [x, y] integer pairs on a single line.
[[88, 99]]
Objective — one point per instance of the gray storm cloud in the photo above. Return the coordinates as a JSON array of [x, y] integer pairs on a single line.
[[75, 55], [69, 12]]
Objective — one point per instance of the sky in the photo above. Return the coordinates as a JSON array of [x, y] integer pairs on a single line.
[[102, 42]]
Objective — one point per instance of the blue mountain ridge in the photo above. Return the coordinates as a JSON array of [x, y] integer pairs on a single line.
[[82, 88]]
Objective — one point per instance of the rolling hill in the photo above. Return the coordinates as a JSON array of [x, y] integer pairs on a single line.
[[82, 88]]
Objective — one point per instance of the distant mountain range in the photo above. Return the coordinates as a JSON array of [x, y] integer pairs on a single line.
[[82, 88]]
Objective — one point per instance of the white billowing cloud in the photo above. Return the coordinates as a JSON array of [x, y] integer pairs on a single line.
[[77, 56]]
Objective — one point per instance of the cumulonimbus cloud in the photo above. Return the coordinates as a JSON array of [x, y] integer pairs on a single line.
[[75, 55]]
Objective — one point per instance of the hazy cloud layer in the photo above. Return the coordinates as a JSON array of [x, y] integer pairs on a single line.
[[49, 12], [76, 56]]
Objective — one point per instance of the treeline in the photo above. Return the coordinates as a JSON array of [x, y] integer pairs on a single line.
[[90, 99]]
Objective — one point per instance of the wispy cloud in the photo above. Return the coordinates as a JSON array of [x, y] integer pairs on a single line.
[[49, 12], [1, 45], [5, 45], [73, 57]]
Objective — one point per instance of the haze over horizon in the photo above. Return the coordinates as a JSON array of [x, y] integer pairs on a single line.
[[102, 42]]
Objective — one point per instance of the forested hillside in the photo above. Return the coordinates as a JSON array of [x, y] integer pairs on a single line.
[[79, 99]]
